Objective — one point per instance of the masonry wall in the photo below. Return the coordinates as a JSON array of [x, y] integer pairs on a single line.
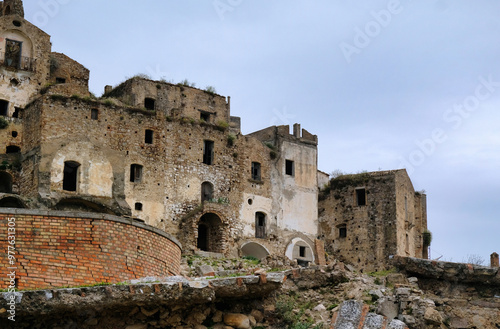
[[55, 249]]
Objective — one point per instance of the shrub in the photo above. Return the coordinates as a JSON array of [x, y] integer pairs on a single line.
[[427, 237], [222, 125], [230, 139], [3, 123], [210, 90]]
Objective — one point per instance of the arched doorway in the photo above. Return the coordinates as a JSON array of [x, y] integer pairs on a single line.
[[5, 182], [210, 234]]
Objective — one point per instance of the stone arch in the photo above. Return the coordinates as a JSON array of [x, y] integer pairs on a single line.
[[210, 235], [79, 204], [5, 182], [12, 202], [17, 35], [7, 10], [300, 250], [254, 249]]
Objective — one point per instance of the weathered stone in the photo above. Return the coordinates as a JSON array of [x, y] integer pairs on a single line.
[[396, 278], [396, 324], [252, 320], [137, 326], [239, 321], [320, 308], [217, 316], [458, 323], [257, 315], [373, 321], [205, 270], [432, 316], [149, 313], [388, 307]]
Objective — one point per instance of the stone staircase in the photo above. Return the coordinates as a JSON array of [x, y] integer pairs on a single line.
[[353, 314]]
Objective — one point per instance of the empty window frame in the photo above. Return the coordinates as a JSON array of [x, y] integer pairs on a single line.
[[13, 149], [13, 51], [289, 167], [207, 191], [149, 103], [343, 231], [260, 225], [136, 173], [208, 153], [148, 139], [138, 206], [17, 112], [205, 116], [302, 251], [70, 177], [4, 107], [60, 80], [256, 171], [94, 114], [360, 197]]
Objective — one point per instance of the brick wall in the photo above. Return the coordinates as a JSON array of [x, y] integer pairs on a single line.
[[55, 249]]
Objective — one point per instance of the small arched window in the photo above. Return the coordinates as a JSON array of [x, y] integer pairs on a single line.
[[70, 179], [207, 191], [13, 149], [7, 11]]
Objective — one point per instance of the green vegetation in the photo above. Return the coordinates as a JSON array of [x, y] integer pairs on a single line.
[[291, 312], [3, 123], [231, 139], [383, 273], [252, 260], [222, 125], [427, 237], [58, 97], [342, 180], [187, 83], [210, 90]]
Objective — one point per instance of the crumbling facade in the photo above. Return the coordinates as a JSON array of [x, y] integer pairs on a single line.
[[368, 217], [168, 155]]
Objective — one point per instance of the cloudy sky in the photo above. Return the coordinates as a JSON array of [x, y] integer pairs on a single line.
[[384, 84]]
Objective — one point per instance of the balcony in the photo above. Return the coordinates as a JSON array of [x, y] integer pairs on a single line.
[[17, 62]]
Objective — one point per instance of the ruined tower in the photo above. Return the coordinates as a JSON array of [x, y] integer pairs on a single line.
[[12, 7]]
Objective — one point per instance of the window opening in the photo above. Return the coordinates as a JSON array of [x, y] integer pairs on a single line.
[[13, 149], [149, 103], [256, 171], [205, 116], [149, 136], [60, 80], [289, 167], [138, 206], [16, 113], [302, 251], [94, 114], [70, 179], [207, 191], [342, 232], [4, 107], [260, 225], [14, 134], [13, 52], [135, 173], [361, 197], [208, 153]]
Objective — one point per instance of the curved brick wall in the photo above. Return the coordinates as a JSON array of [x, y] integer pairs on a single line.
[[55, 249]]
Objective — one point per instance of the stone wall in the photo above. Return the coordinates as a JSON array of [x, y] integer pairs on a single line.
[[55, 249]]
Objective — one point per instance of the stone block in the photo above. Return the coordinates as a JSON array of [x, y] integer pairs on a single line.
[[388, 307], [432, 316], [239, 321]]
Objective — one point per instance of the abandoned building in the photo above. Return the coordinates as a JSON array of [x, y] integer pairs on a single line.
[[172, 157], [368, 217]]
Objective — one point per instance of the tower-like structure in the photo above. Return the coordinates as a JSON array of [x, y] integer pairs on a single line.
[[12, 7]]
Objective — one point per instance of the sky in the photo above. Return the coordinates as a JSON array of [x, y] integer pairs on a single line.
[[384, 84]]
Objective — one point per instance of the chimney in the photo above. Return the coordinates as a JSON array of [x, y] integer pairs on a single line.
[[108, 89], [296, 130]]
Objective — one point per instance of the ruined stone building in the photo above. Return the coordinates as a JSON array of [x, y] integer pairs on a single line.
[[368, 217], [173, 157]]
